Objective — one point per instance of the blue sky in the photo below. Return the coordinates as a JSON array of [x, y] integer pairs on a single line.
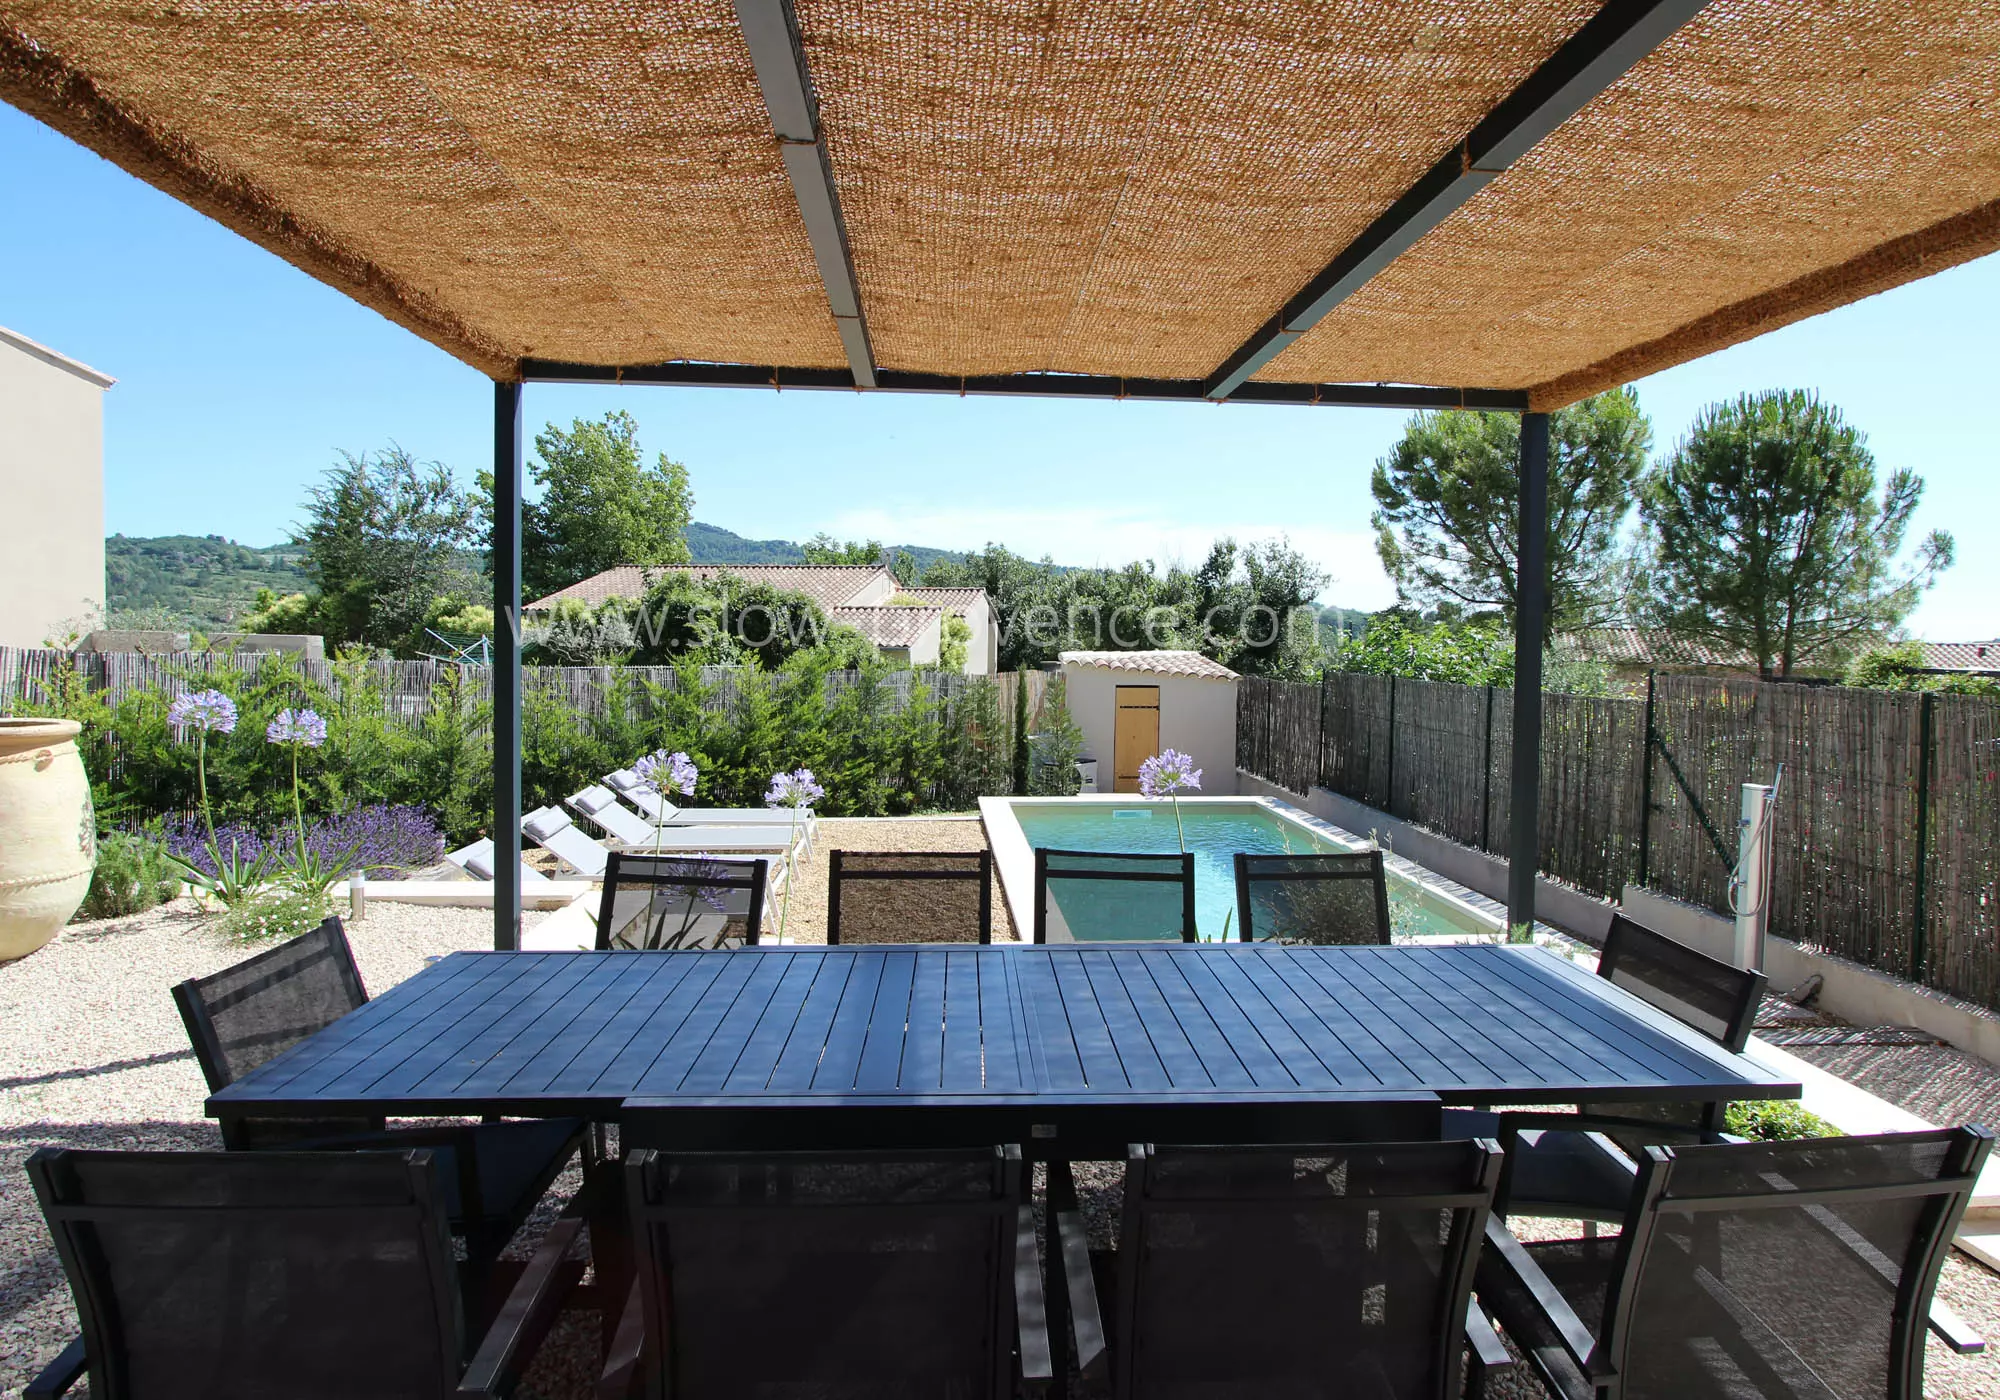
[[240, 379]]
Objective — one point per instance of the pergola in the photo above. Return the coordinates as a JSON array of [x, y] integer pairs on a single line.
[[1498, 204]]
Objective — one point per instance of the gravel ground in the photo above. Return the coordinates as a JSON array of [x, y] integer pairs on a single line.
[[93, 1054], [129, 1081], [806, 921]]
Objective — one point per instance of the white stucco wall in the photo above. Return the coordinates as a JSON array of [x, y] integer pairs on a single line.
[[924, 650], [877, 591], [1197, 716], [52, 480], [982, 649]]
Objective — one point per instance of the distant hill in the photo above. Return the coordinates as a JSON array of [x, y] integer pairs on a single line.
[[203, 581], [711, 544], [206, 581]]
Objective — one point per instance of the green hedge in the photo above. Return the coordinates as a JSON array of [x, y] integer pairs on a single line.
[[876, 753]]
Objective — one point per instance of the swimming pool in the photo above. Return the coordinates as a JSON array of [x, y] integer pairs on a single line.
[[1216, 828]]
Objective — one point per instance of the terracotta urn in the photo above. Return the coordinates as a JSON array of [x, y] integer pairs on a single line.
[[48, 831]]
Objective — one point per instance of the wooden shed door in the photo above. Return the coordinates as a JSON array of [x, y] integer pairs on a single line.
[[1136, 735]]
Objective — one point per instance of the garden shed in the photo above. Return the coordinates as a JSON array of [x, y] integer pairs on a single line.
[[1131, 705]]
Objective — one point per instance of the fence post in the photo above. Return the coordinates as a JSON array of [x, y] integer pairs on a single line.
[[1926, 735], [1319, 758], [1390, 795], [1486, 780], [1646, 789]]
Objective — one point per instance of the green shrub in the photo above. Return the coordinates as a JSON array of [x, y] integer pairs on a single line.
[[275, 915], [876, 756], [131, 877], [1774, 1120]]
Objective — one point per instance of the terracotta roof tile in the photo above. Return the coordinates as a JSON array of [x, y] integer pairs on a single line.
[[1962, 656], [1164, 663], [829, 585], [889, 626], [1632, 646], [945, 597]]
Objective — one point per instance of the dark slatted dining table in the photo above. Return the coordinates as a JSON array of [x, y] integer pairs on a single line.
[[1076, 1049]]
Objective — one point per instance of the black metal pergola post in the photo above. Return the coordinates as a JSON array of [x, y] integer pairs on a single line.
[[506, 670], [1531, 613]]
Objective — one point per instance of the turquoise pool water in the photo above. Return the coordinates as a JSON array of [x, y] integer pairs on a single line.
[[1215, 832]]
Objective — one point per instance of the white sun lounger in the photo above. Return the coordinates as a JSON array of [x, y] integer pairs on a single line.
[[552, 829], [653, 807], [476, 860], [600, 806]]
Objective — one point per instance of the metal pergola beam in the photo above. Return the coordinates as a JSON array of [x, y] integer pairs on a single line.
[[1596, 56], [506, 665], [771, 29], [1531, 613], [706, 375]]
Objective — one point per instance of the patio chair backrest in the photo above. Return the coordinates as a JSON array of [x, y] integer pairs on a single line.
[[600, 804], [551, 828], [1785, 1269], [1114, 897], [901, 1265], [664, 902], [256, 1010], [1308, 1270], [1705, 993], [1320, 899], [910, 897], [232, 1275]]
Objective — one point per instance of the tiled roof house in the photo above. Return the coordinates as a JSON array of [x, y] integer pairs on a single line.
[[904, 623]]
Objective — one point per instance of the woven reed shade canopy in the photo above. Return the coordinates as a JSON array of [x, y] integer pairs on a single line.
[[1143, 191]]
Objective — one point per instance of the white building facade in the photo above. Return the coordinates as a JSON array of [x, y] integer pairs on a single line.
[[52, 486]]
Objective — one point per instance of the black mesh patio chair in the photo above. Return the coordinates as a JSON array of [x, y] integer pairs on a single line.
[[669, 903], [1099, 896], [899, 1274], [1329, 900], [1579, 1165], [1799, 1270], [254, 1275], [255, 1011], [909, 897], [1303, 1271]]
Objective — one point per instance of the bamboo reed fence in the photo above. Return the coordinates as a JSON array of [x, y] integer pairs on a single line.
[[1887, 829], [407, 686]]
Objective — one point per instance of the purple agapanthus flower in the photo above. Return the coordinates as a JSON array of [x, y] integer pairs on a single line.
[[207, 710], [703, 866], [795, 789], [302, 727], [666, 773], [1168, 772]]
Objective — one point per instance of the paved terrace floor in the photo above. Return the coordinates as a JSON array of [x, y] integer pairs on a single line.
[[92, 1054]]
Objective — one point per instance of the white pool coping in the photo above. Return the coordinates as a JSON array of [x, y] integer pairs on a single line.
[[1014, 860]]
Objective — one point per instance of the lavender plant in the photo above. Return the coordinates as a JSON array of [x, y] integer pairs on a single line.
[[386, 838], [797, 790]]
